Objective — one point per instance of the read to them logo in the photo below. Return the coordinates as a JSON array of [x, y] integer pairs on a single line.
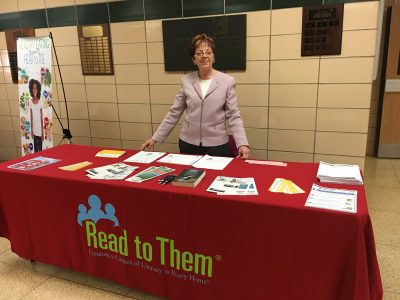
[[95, 212]]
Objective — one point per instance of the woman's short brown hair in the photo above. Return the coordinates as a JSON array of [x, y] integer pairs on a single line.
[[199, 39]]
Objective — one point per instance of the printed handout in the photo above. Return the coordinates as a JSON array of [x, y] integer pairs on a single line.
[[149, 173], [117, 171], [212, 162], [180, 159], [233, 186], [144, 157]]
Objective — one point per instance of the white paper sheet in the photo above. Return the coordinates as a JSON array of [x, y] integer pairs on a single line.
[[180, 159], [212, 162], [144, 157]]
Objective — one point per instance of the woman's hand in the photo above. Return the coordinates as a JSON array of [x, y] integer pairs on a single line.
[[147, 144], [244, 152]]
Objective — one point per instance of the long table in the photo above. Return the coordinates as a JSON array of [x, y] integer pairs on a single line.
[[186, 243]]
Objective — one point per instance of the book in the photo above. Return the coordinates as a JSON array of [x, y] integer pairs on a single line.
[[33, 163], [189, 178], [110, 153]]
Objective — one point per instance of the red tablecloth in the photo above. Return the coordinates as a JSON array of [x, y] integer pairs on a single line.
[[185, 243]]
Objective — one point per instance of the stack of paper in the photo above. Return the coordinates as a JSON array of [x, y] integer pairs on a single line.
[[110, 153], [115, 171], [335, 199], [338, 173], [281, 185], [233, 186]]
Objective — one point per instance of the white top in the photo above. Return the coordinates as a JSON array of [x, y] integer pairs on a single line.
[[204, 85], [36, 118]]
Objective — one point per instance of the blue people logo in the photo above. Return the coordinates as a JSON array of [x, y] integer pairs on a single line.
[[95, 213]]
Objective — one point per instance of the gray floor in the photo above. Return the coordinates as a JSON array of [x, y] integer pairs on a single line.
[[19, 279]]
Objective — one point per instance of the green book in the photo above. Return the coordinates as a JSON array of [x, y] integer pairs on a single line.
[[189, 178]]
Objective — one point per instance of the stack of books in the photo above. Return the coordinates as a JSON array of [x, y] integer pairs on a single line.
[[339, 173]]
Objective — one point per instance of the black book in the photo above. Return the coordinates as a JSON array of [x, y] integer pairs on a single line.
[[189, 178]]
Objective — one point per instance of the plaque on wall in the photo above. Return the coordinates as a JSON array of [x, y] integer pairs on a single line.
[[322, 30], [228, 33]]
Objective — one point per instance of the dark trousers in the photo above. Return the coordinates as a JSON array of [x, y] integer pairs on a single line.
[[37, 143], [222, 150]]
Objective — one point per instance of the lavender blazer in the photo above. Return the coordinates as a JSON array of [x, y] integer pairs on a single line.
[[204, 120]]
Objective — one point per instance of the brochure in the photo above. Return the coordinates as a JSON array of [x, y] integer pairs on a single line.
[[33, 163], [233, 186], [212, 162], [281, 185], [145, 157], [149, 173], [117, 171], [110, 153], [334, 199], [76, 166], [180, 159]]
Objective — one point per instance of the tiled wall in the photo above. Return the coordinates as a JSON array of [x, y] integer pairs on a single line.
[[294, 108]]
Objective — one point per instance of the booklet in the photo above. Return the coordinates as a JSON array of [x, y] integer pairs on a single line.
[[33, 163], [180, 159], [189, 178], [145, 157], [212, 162], [149, 173], [334, 199], [281, 185], [117, 171], [110, 153], [233, 186], [76, 166]]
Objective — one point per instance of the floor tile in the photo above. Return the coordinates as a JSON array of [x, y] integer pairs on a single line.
[[386, 226], [391, 296], [381, 177], [396, 163], [16, 280], [55, 288], [4, 245], [383, 198], [377, 163], [389, 265]]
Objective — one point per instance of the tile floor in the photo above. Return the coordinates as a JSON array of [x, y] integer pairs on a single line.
[[19, 279]]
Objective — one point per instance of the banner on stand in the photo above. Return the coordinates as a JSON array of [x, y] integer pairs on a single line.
[[34, 85]]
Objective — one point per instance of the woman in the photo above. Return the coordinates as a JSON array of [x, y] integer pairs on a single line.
[[36, 107], [208, 98]]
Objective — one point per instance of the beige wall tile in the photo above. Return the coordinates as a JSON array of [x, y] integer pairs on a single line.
[[101, 93], [8, 153], [78, 127], [155, 52], [258, 154], [254, 116], [291, 140], [76, 110], [105, 130], [131, 144], [295, 95], [65, 36], [59, 3], [42, 32], [134, 113], [286, 46], [358, 43], [286, 21], [5, 123], [360, 15], [3, 43], [290, 156], [344, 95], [292, 118], [158, 112], [133, 93], [14, 108], [294, 71], [135, 131], [257, 48], [68, 55], [346, 70], [344, 120], [258, 23], [103, 79], [72, 74], [107, 143], [135, 29], [258, 138], [166, 147], [73, 92], [252, 94], [164, 94], [78, 140], [335, 159], [4, 58], [131, 74], [338, 143], [4, 108], [78, 2], [158, 75], [30, 4], [129, 53], [103, 111], [7, 138], [154, 31], [256, 72], [8, 6]]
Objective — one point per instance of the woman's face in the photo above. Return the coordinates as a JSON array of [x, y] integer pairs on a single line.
[[35, 90], [203, 57]]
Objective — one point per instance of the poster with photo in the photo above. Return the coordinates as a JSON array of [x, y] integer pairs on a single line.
[[34, 86]]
